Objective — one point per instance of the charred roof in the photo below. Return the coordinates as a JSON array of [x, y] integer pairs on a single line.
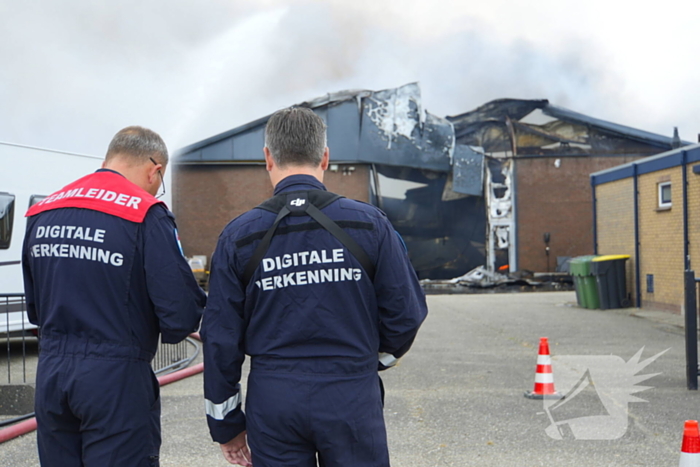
[[521, 127]]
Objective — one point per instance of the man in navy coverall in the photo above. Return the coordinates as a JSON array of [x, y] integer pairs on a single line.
[[104, 275], [316, 327]]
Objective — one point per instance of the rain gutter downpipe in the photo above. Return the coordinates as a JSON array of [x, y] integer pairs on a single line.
[[595, 216], [686, 239], [637, 269], [690, 286]]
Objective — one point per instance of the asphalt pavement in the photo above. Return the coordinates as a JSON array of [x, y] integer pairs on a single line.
[[457, 399]]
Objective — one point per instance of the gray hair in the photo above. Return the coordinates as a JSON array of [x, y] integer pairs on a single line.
[[138, 144], [296, 136]]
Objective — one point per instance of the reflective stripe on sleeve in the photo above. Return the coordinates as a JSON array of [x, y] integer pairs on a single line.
[[387, 359], [219, 411]]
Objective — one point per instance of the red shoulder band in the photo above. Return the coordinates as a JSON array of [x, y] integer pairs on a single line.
[[106, 192]]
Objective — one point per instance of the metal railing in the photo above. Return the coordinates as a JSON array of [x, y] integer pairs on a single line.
[[19, 346], [173, 357], [17, 339]]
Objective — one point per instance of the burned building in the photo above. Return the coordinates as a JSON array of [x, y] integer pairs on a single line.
[[477, 189], [543, 155], [385, 149]]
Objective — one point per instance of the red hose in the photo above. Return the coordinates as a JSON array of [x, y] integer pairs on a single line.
[[27, 426], [181, 374], [18, 429]]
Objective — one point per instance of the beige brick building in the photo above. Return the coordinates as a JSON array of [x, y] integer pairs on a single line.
[[615, 226], [659, 227]]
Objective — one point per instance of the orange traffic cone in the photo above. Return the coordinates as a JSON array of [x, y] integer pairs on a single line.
[[690, 449], [544, 379]]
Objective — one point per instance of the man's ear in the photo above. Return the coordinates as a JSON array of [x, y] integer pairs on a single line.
[[325, 160], [269, 161], [153, 172]]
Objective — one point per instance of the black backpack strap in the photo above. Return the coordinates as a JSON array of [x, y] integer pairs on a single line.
[[352, 246], [299, 203], [318, 198], [274, 204], [263, 246]]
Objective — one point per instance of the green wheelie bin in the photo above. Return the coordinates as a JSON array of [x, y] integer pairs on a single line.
[[584, 281], [609, 272]]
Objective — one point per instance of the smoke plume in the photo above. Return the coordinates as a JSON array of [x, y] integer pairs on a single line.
[[75, 72]]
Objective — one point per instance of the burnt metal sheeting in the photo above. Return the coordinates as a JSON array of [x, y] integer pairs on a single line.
[[611, 128], [497, 110], [386, 127], [535, 127], [396, 131], [444, 238], [467, 171]]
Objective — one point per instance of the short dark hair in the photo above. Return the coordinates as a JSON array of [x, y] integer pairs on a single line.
[[296, 136], [138, 144]]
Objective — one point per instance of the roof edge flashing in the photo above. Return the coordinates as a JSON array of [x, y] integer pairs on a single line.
[[625, 170]]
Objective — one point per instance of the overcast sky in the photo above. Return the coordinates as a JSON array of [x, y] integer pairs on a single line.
[[74, 72]]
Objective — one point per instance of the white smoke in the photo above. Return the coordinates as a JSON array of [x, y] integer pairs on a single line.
[[75, 72]]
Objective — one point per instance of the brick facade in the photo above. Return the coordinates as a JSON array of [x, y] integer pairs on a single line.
[[661, 240], [558, 201], [660, 232], [207, 197], [615, 220], [694, 219]]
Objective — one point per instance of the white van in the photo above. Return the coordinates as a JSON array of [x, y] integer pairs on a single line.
[[27, 175]]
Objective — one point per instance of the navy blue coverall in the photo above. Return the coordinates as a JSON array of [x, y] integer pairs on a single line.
[[315, 327], [102, 288]]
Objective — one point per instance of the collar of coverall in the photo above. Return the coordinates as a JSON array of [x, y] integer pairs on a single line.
[[299, 183], [109, 170], [101, 191]]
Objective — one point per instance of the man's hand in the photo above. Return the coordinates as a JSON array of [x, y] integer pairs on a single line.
[[236, 451]]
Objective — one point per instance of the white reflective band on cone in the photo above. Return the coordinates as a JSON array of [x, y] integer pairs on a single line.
[[544, 378], [219, 411], [689, 459], [544, 360], [387, 359]]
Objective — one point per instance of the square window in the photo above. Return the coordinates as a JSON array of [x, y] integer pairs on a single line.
[[665, 195]]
